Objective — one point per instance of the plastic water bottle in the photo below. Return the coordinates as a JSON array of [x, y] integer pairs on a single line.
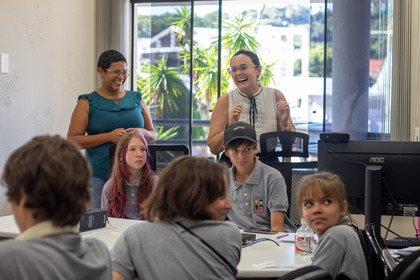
[[304, 240]]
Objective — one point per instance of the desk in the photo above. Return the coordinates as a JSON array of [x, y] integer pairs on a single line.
[[268, 251], [108, 234], [253, 255]]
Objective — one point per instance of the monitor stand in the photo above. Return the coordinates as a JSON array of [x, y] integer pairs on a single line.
[[373, 186]]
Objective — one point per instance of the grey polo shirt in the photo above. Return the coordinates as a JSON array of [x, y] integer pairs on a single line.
[[131, 211], [253, 201]]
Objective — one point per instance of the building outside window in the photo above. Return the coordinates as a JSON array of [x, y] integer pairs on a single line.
[[291, 39]]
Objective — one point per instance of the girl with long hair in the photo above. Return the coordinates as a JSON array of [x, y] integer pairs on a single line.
[[132, 179]]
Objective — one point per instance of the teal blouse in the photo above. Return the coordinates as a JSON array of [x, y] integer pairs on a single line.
[[104, 116]]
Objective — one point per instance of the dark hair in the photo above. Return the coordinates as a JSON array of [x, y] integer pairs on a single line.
[[234, 144], [120, 172], [108, 57], [53, 176], [186, 187], [250, 54], [328, 183]]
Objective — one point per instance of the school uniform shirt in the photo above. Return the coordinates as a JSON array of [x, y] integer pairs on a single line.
[[254, 200], [165, 250], [339, 252], [131, 209], [48, 252]]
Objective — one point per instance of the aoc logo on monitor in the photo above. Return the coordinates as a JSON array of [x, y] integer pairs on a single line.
[[377, 160]]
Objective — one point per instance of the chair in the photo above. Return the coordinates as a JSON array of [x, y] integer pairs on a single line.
[[161, 155], [407, 269], [307, 273], [286, 144], [283, 144]]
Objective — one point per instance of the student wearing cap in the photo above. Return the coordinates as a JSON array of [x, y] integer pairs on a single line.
[[257, 191]]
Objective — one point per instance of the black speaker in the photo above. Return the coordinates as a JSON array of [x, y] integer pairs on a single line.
[[334, 137], [93, 219]]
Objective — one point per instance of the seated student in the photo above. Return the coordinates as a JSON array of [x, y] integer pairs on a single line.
[[132, 179], [321, 201], [186, 236], [47, 183], [257, 191]]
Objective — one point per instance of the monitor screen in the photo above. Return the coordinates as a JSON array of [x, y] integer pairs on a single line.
[[399, 175]]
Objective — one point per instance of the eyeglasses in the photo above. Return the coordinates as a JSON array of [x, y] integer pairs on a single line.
[[117, 72], [243, 68]]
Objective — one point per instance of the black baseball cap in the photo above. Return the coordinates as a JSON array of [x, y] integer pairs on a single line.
[[240, 130]]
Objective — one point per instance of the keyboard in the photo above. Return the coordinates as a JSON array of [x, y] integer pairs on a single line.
[[399, 243]]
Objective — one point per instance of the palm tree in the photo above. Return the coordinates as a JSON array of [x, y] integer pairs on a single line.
[[240, 35], [164, 88], [267, 75], [182, 25]]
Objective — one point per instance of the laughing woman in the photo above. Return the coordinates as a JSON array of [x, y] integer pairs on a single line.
[[266, 109], [100, 118]]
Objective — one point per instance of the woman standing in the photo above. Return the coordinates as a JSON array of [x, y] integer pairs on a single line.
[[103, 116], [266, 109]]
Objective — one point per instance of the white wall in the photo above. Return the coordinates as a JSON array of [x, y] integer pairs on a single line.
[[51, 47]]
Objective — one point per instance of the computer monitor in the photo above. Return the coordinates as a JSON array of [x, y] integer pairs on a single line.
[[381, 177]]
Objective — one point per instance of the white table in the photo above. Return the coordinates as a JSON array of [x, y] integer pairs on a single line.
[[257, 254], [108, 234], [111, 232], [267, 251], [8, 227]]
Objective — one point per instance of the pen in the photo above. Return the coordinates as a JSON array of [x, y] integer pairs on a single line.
[[281, 236]]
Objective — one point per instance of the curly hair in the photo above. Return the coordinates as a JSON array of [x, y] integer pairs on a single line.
[[52, 176], [108, 57], [120, 172]]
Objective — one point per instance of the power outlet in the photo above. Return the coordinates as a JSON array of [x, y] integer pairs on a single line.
[[4, 63]]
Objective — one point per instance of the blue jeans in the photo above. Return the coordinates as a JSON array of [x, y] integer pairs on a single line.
[[96, 186]]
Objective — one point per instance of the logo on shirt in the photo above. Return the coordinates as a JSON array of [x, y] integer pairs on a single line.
[[258, 205]]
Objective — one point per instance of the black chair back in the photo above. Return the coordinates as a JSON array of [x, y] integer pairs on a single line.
[[161, 155], [283, 144]]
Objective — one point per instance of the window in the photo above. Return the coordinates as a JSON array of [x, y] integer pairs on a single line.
[[288, 36]]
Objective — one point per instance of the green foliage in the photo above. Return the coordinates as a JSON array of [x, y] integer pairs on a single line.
[[297, 67], [162, 134], [267, 76], [316, 61], [164, 88], [240, 35], [182, 23]]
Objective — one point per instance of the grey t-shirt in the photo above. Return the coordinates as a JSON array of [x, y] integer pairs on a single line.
[[253, 201], [131, 211], [162, 250], [339, 252], [59, 256]]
